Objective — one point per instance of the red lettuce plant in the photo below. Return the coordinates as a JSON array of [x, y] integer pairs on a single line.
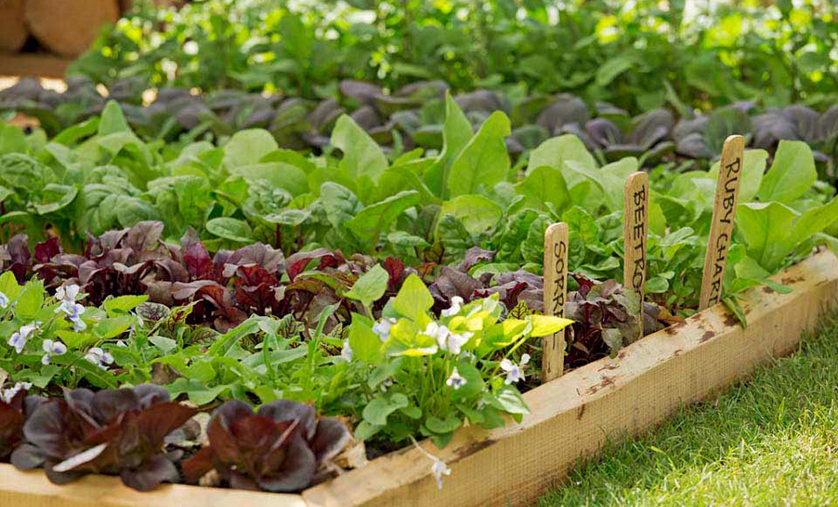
[[117, 431], [512, 287], [283, 447], [14, 405], [605, 318], [223, 289], [16, 257]]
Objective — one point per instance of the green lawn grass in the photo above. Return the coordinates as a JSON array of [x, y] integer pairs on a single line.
[[772, 440]]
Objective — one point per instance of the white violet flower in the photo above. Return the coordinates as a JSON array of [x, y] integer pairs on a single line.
[[455, 381], [73, 311], [6, 395], [52, 348], [438, 467], [18, 340], [454, 309], [346, 351], [438, 333], [99, 357], [4, 300], [382, 328], [68, 293], [447, 340], [514, 372]]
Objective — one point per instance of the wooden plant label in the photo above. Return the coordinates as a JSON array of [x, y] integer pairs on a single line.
[[721, 228], [635, 234], [555, 294]]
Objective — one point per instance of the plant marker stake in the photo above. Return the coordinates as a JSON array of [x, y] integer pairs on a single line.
[[555, 295], [721, 228], [635, 234]]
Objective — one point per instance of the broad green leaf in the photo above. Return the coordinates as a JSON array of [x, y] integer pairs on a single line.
[[247, 147], [765, 228], [297, 39], [447, 425], [543, 325], [484, 161], [166, 345], [614, 67], [340, 203], [613, 178], [753, 169], [556, 151], [75, 340], [289, 157], [456, 133], [30, 300], [96, 376], [414, 298], [477, 213], [366, 345], [113, 327], [280, 175], [23, 172], [377, 410], [9, 286], [451, 233], [71, 135], [12, 139], [55, 197], [123, 304], [200, 371], [197, 392], [509, 400], [474, 381], [132, 210], [542, 186], [361, 155], [373, 220], [112, 120], [230, 228], [404, 239], [399, 178], [791, 175], [365, 431], [370, 287], [812, 222]]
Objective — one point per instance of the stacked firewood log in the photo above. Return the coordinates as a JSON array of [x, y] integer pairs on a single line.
[[64, 28]]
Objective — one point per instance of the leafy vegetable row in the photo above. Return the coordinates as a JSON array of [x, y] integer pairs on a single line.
[[405, 374], [635, 55], [221, 292], [413, 117], [420, 209]]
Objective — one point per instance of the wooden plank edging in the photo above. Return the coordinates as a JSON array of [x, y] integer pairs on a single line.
[[33, 489], [571, 417]]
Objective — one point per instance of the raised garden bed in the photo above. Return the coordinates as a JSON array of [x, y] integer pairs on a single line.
[[571, 417]]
